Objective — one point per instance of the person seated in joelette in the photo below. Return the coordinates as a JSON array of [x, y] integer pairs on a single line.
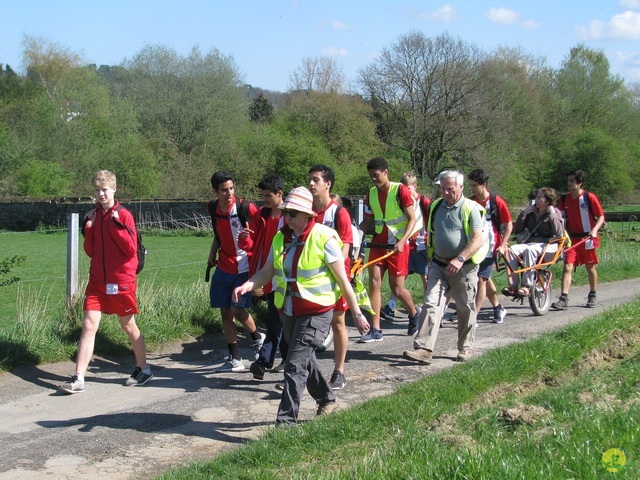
[[544, 221]]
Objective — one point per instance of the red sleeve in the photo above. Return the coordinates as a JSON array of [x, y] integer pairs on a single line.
[[344, 224], [594, 204], [503, 210], [88, 240], [425, 204], [406, 200]]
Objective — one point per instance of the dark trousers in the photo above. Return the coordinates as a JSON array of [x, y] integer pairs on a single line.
[[274, 336], [304, 334]]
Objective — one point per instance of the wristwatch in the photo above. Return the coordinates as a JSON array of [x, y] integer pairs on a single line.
[[460, 258], [358, 316]]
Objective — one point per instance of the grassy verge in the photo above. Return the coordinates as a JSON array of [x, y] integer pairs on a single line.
[[547, 408], [36, 326]]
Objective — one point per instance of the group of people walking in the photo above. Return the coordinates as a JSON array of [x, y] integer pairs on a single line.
[[294, 253]]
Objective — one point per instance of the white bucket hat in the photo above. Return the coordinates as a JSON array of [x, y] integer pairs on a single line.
[[299, 199]]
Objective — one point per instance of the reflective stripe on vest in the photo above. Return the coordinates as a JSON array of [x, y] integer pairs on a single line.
[[314, 282], [467, 207], [393, 216]]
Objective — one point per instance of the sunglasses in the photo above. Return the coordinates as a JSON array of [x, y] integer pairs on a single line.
[[290, 213]]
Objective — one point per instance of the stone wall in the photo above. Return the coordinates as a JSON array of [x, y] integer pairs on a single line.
[[25, 216]]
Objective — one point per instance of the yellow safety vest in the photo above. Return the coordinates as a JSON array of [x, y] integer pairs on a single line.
[[467, 207], [393, 216], [314, 281]]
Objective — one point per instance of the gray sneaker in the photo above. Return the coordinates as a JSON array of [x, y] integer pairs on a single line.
[[592, 300], [138, 378], [414, 322], [373, 335], [231, 366], [338, 380], [74, 386], [499, 313], [561, 304], [387, 313]]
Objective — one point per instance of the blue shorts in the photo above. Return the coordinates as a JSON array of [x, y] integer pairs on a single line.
[[418, 262], [485, 269], [222, 286]]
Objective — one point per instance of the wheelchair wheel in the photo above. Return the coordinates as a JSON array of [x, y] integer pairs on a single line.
[[540, 297], [326, 343]]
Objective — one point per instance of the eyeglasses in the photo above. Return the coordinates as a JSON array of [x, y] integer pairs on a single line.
[[290, 213]]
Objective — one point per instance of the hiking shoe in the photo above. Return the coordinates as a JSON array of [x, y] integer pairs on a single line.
[[561, 304], [338, 380], [499, 313], [464, 355], [257, 345], [138, 378], [231, 366], [74, 386], [258, 369], [387, 313], [373, 335], [592, 300], [326, 408], [413, 322], [421, 355]]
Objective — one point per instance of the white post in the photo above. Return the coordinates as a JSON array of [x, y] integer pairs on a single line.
[[359, 211], [73, 224]]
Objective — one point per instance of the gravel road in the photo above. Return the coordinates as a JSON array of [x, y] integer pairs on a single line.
[[189, 412]]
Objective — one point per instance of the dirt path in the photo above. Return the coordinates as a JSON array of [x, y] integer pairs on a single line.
[[189, 412]]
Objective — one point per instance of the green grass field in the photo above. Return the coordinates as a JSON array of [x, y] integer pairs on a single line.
[[36, 325], [555, 407], [172, 260]]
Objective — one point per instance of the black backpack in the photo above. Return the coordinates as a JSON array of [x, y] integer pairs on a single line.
[[242, 209], [493, 210], [142, 251]]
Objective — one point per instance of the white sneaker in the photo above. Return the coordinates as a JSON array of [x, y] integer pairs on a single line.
[[74, 386], [231, 366], [257, 345]]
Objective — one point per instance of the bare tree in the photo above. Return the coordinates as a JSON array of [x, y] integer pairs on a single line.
[[427, 94], [319, 74]]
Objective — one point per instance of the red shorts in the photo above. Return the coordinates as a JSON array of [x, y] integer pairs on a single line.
[[124, 303], [341, 305], [580, 255], [397, 264]]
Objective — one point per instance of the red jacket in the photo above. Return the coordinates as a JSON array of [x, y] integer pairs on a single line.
[[112, 245]]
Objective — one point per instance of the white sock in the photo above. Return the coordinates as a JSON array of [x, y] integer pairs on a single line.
[[80, 378], [147, 370]]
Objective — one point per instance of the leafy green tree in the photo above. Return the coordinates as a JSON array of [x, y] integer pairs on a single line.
[[261, 110], [38, 178], [190, 111]]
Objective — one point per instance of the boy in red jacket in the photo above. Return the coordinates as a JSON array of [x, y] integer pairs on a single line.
[[110, 240]]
